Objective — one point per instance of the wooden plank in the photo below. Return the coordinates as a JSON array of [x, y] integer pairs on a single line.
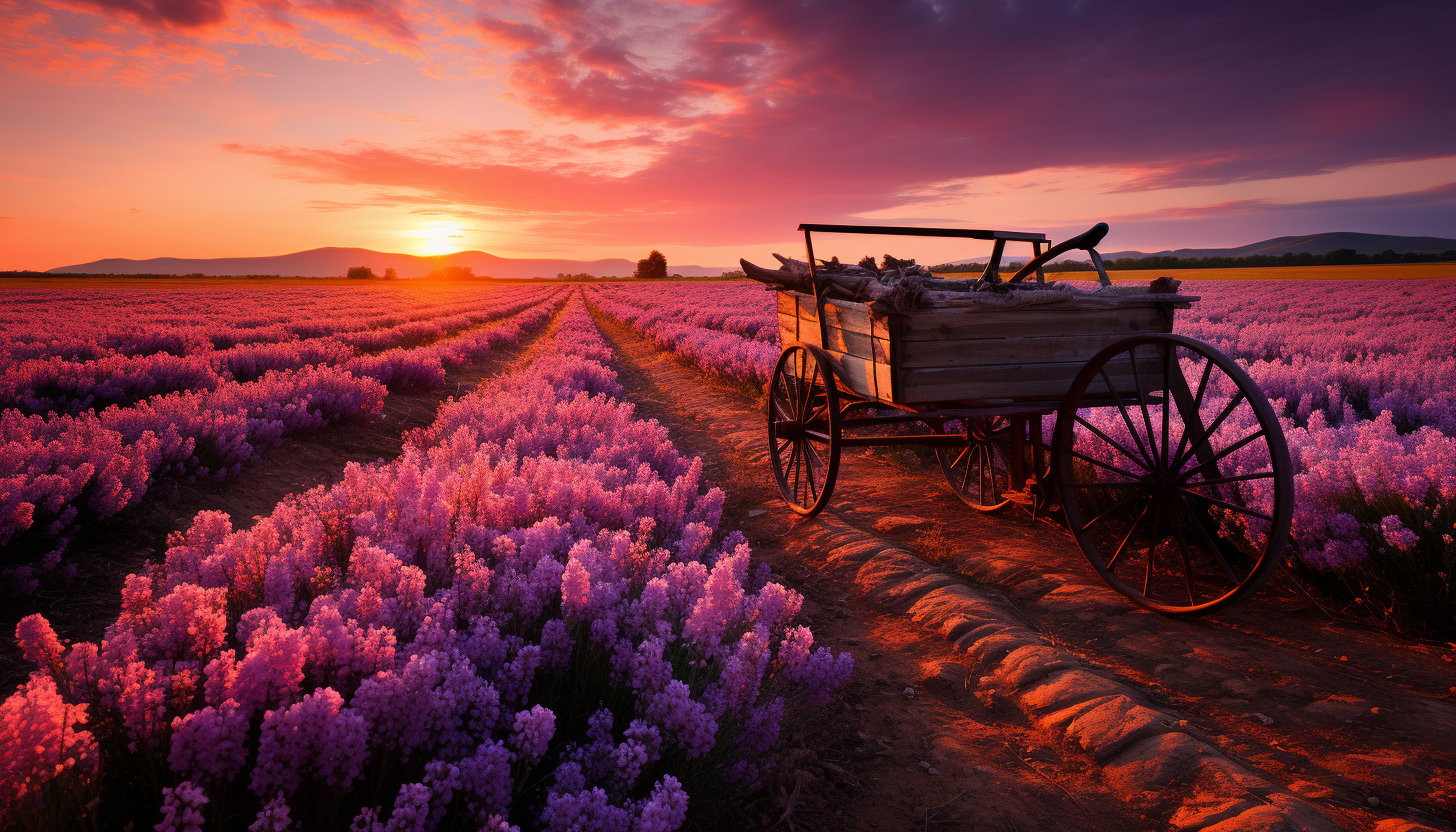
[[1023, 322], [854, 317], [1010, 381], [788, 332], [879, 325], [805, 306], [788, 328], [989, 351], [786, 303], [852, 343], [862, 375]]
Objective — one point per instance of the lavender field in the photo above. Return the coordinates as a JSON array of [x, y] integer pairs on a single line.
[[530, 614], [536, 615]]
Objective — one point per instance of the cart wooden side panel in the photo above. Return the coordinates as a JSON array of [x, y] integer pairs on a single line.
[[1022, 354]]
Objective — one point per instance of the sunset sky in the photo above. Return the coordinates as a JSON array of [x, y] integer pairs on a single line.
[[709, 129]]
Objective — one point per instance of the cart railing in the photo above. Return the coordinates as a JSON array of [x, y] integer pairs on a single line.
[[1087, 241]]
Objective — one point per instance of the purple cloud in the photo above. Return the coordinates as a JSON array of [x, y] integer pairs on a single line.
[[783, 112]]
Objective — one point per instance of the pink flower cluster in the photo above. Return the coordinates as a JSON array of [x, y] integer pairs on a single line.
[[1351, 349], [425, 367], [529, 617], [55, 471], [58, 383], [136, 319], [58, 470], [702, 326]]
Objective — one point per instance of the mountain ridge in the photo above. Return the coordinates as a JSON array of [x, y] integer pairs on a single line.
[[335, 261], [1307, 243]]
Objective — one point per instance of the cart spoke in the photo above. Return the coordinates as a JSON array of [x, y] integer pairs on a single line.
[[1182, 552], [966, 477], [981, 475], [1137, 382], [809, 470], [1134, 477], [1207, 433], [1170, 361], [1186, 483], [806, 395], [1115, 506], [1109, 440], [821, 410], [1122, 546], [1152, 545], [964, 451], [794, 467], [1226, 504], [1212, 462], [784, 415], [791, 396], [1117, 397], [1191, 418], [1209, 542]]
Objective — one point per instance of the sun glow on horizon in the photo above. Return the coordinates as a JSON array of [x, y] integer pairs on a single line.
[[440, 238]]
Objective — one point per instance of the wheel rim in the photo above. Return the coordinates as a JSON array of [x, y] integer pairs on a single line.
[[1183, 508], [803, 429], [979, 472]]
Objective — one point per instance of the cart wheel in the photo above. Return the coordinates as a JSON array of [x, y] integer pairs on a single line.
[[979, 472], [804, 425], [1183, 509]]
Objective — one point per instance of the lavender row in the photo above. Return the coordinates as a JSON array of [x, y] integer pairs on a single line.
[[527, 620], [58, 472], [714, 351], [717, 306], [59, 385], [135, 320], [425, 367]]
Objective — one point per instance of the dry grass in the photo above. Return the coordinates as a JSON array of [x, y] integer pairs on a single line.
[[934, 545]]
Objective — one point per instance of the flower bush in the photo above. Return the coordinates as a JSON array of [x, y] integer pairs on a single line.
[[529, 620], [58, 471]]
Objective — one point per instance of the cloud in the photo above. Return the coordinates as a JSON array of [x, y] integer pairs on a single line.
[[709, 119], [1423, 212], [184, 14], [156, 43]]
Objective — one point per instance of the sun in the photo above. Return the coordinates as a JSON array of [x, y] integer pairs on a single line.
[[440, 238]]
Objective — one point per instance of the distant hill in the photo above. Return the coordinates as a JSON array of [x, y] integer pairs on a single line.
[[334, 262], [1311, 244]]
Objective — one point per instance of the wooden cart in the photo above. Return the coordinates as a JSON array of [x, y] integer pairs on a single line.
[[1166, 461]]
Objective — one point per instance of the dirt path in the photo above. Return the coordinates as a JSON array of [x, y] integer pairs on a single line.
[[106, 552], [1358, 723]]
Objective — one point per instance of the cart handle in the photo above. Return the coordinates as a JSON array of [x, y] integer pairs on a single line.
[[910, 231], [1087, 240]]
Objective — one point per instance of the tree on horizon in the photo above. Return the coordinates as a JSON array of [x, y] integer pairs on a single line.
[[652, 267]]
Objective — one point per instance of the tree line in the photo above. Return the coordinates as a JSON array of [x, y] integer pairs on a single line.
[[1337, 257]]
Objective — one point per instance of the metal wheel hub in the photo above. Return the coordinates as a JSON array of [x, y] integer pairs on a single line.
[[789, 429]]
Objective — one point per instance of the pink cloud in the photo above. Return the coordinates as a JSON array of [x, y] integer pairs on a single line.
[[183, 14]]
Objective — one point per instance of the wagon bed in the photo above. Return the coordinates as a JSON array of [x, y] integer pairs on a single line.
[[1025, 355]]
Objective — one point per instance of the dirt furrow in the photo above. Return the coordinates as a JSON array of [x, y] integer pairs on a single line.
[[1354, 720]]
